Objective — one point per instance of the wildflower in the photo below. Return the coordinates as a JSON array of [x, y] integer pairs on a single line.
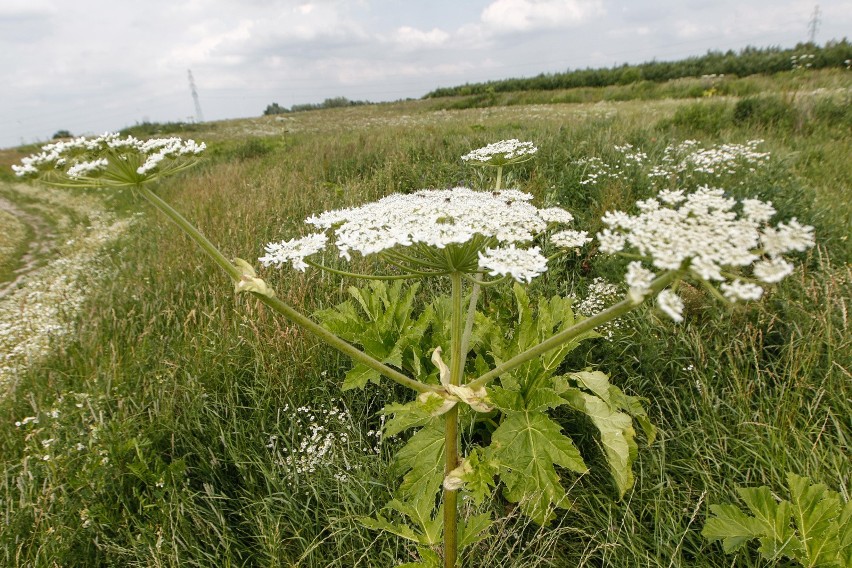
[[522, 264], [570, 239], [502, 153], [639, 279], [110, 160], [294, 250], [671, 304], [702, 236], [738, 290], [436, 231]]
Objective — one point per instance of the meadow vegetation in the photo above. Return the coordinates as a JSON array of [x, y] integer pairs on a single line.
[[182, 425]]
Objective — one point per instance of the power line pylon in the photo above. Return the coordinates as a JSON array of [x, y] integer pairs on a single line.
[[199, 117], [813, 25]]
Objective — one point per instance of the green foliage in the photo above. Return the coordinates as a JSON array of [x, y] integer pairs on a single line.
[[381, 321], [748, 61], [705, 117], [274, 108], [811, 528]]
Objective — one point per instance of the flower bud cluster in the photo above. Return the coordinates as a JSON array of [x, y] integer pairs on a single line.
[[110, 159], [707, 235]]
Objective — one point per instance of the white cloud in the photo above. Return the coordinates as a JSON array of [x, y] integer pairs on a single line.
[[412, 38], [530, 15]]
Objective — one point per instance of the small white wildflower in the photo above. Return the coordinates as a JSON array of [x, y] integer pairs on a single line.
[[738, 290], [81, 169], [467, 221], [772, 270], [671, 304], [611, 242], [704, 233], [570, 239]]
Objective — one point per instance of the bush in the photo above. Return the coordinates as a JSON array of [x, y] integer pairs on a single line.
[[766, 112], [704, 116]]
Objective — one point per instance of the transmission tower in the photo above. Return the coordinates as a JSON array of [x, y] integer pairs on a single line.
[[199, 117], [813, 25]]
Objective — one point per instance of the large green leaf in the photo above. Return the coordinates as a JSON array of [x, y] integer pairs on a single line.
[[531, 328], [811, 528], [844, 553], [730, 525], [381, 320], [778, 537], [815, 511], [526, 446], [421, 461], [617, 437]]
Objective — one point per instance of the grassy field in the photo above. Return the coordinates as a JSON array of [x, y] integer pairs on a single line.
[[184, 426]]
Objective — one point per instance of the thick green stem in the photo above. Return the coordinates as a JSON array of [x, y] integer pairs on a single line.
[[279, 306], [574, 331], [451, 428], [499, 178]]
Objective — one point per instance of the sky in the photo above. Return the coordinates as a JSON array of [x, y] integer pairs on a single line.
[[90, 66]]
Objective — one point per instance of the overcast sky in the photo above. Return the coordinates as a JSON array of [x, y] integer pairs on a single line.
[[94, 65]]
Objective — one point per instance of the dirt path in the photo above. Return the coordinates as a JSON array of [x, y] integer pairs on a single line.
[[43, 240]]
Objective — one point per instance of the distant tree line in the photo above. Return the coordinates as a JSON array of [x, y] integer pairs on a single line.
[[336, 102], [748, 61]]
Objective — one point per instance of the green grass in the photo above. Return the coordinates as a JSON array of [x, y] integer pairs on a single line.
[[170, 403]]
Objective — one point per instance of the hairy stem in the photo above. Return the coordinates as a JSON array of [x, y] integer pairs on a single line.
[[279, 306], [451, 428]]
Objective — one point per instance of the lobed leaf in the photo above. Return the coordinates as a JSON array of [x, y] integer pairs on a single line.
[[527, 446]]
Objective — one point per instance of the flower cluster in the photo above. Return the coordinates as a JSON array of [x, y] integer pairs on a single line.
[[477, 231], [687, 159], [110, 159], [502, 153], [325, 437], [707, 236]]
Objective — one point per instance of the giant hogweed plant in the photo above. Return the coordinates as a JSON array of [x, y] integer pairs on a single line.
[[484, 386]]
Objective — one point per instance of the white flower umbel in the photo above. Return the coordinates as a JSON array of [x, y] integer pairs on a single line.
[[110, 160], [671, 304], [739, 290], [702, 236], [502, 153], [639, 280], [522, 264], [435, 231], [570, 239], [294, 251]]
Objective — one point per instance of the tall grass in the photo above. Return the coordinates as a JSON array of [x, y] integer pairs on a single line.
[[169, 415]]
